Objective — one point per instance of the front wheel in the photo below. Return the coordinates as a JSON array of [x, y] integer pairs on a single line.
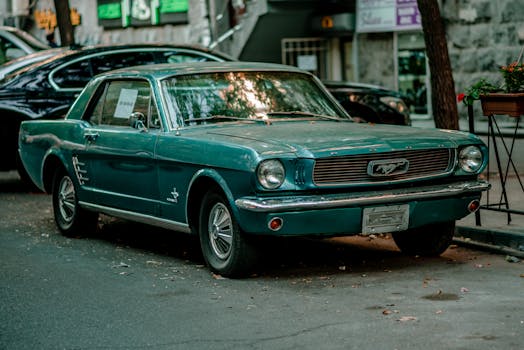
[[430, 240], [70, 218], [226, 249]]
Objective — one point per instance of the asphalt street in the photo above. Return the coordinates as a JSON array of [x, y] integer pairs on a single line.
[[131, 286]]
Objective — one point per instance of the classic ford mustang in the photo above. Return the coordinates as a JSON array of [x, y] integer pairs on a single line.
[[231, 151]]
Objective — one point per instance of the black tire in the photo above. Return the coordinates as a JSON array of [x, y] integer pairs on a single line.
[[225, 248], [70, 218], [430, 240]]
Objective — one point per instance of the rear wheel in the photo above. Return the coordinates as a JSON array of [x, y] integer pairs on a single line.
[[226, 249], [70, 218], [430, 240]]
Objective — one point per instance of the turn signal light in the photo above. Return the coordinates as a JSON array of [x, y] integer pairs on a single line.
[[275, 224], [473, 206]]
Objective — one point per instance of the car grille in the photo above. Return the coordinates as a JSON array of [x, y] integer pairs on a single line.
[[354, 169]]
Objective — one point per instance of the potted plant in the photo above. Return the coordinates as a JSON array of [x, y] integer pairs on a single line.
[[507, 99]]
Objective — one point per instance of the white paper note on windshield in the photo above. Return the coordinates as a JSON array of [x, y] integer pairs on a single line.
[[126, 103]]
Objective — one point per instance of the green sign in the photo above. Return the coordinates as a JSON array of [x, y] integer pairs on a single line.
[[141, 13], [109, 11], [167, 6]]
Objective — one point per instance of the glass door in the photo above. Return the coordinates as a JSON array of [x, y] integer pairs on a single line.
[[413, 77]]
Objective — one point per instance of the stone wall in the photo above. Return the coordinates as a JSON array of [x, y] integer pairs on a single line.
[[376, 60], [482, 36]]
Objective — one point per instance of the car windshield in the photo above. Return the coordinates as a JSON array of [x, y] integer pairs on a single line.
[[248, 96]]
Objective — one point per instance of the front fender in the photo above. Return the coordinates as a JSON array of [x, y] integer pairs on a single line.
[[213, 175]]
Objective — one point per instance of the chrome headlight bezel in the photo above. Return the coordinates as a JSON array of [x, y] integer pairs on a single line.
[[271, 174], [470, 159]]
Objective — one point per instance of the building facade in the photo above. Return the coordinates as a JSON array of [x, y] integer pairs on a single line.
[[369, 41]]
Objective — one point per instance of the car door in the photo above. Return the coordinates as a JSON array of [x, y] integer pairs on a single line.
[[120, 145]]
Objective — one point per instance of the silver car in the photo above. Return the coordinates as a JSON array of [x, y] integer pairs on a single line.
[[15, 43]]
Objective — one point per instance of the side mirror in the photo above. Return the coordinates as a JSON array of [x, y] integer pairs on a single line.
[[137, 120]]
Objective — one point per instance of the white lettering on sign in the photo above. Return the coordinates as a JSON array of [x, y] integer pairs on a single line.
[[126, 103]]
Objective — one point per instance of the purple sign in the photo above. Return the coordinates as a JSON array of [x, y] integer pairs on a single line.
[[408, 14], [387, 15]]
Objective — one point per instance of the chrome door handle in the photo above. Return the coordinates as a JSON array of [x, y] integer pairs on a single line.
[[91, 135]]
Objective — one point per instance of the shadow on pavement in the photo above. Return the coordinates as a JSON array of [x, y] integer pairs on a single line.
[[10, 182], [280, 257]]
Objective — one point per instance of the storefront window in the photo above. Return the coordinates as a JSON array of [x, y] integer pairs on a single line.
[[413, 79]]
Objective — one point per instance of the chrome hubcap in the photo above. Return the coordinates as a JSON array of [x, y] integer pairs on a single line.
[[220, 230], [66, 199]]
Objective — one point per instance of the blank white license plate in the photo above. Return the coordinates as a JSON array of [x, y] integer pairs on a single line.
[[390, 218]]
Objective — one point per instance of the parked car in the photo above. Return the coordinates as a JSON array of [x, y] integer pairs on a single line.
[[46, 90], [15, 43], [371, 103], [231, 151]]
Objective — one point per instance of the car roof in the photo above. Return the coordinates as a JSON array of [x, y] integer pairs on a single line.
[[164, 70], [66, 54], [85, 50], [349, 86]]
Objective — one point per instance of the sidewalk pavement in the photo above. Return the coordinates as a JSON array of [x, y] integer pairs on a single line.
[[497, 231]]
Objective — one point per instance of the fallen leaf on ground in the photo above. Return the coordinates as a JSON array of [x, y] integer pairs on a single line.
[[407, 318]]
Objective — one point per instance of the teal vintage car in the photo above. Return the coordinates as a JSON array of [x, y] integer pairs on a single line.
[[232, 151]]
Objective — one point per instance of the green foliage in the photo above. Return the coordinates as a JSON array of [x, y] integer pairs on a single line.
[[513, 75], [481, 87]]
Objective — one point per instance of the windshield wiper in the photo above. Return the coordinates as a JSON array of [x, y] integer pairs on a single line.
[[308, 114]]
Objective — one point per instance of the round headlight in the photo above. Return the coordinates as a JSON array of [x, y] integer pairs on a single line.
[[271, 174], [470, 159]]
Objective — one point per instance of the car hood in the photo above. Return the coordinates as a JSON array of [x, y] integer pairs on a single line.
[[320, 139]]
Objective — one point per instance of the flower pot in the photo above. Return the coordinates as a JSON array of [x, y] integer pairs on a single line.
[[511, 104]]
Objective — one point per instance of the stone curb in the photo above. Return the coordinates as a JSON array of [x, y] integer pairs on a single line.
[[498, 241]]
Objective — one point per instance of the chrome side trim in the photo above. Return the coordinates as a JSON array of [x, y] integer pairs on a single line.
[[295, 203], [145, 219]]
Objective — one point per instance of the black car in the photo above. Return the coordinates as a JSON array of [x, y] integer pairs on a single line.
[[46, 89], [370, 103]]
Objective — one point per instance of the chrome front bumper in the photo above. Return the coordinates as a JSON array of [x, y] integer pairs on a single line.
[[296, 203]]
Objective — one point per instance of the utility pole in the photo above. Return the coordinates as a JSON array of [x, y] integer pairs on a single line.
[[63, 20]]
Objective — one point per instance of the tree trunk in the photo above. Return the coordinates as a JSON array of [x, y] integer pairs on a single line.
[[443, 97], [63, 20]]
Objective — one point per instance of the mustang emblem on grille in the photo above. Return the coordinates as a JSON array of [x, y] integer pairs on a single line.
[[388, 167]]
